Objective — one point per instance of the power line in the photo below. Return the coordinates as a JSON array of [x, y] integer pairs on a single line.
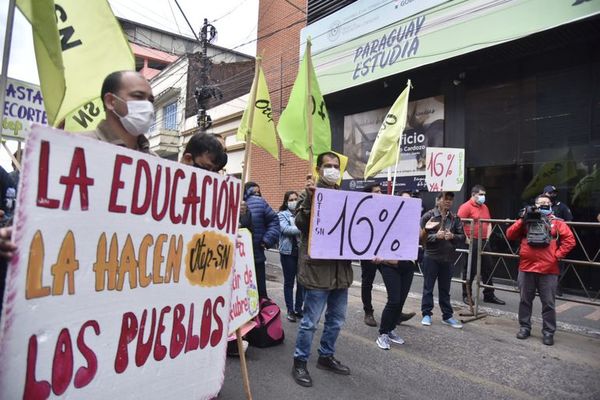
[[229, 12]]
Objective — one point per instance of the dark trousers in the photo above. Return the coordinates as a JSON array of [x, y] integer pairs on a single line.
[[289, 264], [397, 281], [261, 279], [442, 272], [546, 286], [366, 286], [486, 271]]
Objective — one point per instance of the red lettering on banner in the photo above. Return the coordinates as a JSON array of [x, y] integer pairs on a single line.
[[191, 201], [159, 215], [77, 177], [176, 219], [234, 206], [217, 334], [142, 351], [182, 339], [192, 341], [34, 389], [142, 167], [215, 210], [85, 375], [43, 171], [178, 331], [62, 365], [129, 329], [117, 184], [160, 351], [203, 220]]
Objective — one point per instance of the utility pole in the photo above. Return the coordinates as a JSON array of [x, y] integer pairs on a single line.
[[206, 91]]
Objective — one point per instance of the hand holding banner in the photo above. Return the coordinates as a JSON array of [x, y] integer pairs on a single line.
[[356, 225]]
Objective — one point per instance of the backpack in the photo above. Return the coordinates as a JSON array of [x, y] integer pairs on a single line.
[[269, 329], [539, 232]]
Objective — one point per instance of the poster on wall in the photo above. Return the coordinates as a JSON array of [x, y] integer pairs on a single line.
[[122, 277], [424, 128]]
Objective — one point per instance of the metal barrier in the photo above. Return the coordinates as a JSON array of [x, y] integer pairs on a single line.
[[497, 228]]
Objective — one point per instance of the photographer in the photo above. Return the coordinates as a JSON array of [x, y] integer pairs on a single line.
[[545, 240]]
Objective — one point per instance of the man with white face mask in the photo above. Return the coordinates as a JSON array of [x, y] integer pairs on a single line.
[[325, 284], [127, 98], [476, 209]]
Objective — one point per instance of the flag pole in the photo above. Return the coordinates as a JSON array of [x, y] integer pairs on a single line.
[[251, 103], [309, 110], [396, 165], [4, 73]]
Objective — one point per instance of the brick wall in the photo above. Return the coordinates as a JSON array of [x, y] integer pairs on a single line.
[[279, 25]]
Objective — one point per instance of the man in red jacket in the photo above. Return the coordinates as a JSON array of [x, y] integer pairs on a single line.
[[475, 209], [538, 268]]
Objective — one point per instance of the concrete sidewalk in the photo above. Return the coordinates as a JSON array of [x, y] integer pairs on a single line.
[[483, 360]]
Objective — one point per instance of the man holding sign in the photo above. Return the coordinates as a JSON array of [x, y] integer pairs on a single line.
[[326, 283], [444, 233]]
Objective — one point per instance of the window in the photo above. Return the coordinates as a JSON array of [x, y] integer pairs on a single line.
[[170, 116]]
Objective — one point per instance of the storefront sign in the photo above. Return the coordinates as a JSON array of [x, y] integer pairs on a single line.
[[361, 226], [23, 107], [361, 18], [424, 128], [244, 296], [122, 283], [445, 169], [446, 31]]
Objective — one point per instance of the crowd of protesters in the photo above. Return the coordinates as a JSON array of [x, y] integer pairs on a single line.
[[321, 286]]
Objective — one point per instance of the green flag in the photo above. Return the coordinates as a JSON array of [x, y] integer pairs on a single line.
[[386, 147], [293, 124], [77, 44], [262, 127]]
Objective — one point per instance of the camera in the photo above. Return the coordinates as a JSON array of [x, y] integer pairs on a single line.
[[530, 213]]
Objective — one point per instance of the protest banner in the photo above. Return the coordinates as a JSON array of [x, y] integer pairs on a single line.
[[361, 226], [121, 285], [24, 107], [244, 295], [445, 169]]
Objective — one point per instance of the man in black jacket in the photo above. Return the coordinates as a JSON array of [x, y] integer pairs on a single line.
[[444, 233]]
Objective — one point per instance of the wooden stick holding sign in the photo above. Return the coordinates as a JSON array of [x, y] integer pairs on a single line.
[[251, 103], [244, 297]]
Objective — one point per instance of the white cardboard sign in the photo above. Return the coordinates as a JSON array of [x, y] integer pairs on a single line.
[[244, 294], [445, 170], [122, 282]]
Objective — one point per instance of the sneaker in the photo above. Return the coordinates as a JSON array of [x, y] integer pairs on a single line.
[[291, 317], [383, 341], [453, 322], [426, 320], [394, 338]]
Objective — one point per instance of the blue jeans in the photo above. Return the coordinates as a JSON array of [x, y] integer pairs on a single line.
[[314, 303], [442, 272], [289, 264]]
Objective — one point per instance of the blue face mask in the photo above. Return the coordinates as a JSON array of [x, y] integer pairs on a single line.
[[481, 199], [545, 210]]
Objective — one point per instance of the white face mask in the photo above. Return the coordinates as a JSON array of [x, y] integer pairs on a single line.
[[292, 205], [480, 199], [139, 118], [331, 176]]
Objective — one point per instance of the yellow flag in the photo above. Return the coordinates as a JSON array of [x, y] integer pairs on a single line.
[[385, 149], [293, 123], [262, 126], [77, 44]]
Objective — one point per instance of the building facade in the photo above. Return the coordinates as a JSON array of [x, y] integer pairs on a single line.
[[514, 83]]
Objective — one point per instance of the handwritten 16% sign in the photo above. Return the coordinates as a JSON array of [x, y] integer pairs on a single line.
[[362, 226], [445, 169]]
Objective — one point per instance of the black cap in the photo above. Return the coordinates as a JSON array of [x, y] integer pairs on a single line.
[[549, 189]]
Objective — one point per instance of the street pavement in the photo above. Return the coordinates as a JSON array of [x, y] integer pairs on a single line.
[[483, 360]]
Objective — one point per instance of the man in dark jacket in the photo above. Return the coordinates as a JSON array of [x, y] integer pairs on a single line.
[[538, 267], [444, 233], [325, 283], [265, 234]]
